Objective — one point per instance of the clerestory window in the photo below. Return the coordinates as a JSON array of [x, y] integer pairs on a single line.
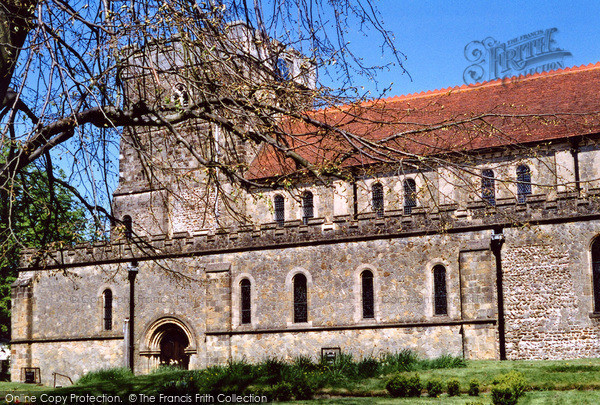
[[279, 204], [488, 188], [377, 199], [308, 210], [128, 225], [410, 195], [523, 183]]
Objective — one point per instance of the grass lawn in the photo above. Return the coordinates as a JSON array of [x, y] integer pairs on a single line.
[[549, 382], [582, 374], [531, 398], [6, 386]]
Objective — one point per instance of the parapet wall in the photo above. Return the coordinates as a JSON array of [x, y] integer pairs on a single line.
[[567, 207]]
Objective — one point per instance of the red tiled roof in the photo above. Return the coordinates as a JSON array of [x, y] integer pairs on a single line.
[[536, 108]]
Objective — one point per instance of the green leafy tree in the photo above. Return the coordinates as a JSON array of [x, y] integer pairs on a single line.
[[38, 211]]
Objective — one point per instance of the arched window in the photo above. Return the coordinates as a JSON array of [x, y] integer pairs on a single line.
[[596, 273], [107, 298], [488, 191], [308, 211], [282, 70], [523, 183], [279, 203], [368, 298], [128, 225], [410, 195], [300, 299], [245, 301], [377, 199], [439, 290]]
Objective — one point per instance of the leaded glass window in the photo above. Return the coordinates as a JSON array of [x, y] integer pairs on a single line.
[[377, 202], [128, 225], [368, 299], [308, 211], [279, 203], [410, 195], [523, 183], [108, 304], [488, 191], [300, 299], [246, 301], [439, 290]]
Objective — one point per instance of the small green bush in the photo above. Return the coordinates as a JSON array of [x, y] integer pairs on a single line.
[[414, 386], [453, 387], [303, 388], [474, 387], [434, 388], [508, 388], [282, 391], [397, 386]]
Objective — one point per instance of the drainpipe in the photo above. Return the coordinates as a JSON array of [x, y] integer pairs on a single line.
[[496, 246], [131, 273], [575, 154], [354, 198]]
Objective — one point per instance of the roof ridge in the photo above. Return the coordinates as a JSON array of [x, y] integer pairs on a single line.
[[478, 85]]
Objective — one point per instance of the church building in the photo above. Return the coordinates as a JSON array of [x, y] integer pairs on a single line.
[[482, 241]]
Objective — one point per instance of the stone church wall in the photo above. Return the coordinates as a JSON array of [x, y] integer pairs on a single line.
[[203, 294], [548, 292]]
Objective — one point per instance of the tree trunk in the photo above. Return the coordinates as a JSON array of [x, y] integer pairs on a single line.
[[15, 24]]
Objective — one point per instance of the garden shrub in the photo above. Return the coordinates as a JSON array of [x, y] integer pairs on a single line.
[[282, 391], [434, 388], [474, 387], [453, 387], [303, 388], [397, 386], [508, 388], [414, 386]]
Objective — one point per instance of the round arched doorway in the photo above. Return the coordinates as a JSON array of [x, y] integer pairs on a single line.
[[173, 342], [168, 341]]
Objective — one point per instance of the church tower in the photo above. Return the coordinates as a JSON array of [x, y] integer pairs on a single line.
[[182, 177]]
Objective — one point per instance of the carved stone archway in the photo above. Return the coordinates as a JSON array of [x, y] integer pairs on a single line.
[[168, 341]]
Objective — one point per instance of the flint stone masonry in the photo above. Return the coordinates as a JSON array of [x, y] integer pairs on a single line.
[[548, 294]]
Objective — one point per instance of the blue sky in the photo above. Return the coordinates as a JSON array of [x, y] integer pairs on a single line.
[[433, 35]]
